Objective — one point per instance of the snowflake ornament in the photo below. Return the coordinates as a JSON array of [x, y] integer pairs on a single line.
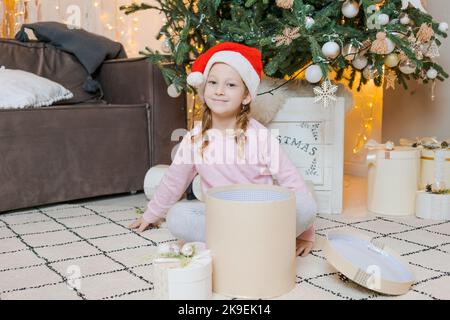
[[289, 34], [325, 93], [432, 51]]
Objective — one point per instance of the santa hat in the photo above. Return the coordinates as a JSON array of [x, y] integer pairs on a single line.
[[245, 60]]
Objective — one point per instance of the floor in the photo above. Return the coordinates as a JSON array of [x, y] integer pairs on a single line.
[[43, 249]]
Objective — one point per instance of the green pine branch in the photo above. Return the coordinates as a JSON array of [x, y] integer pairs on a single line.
[[193, 26]]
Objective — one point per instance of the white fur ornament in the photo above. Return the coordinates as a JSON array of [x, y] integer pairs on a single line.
[[265, 107]]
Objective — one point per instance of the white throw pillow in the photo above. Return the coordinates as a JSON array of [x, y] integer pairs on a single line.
[[21, 89]]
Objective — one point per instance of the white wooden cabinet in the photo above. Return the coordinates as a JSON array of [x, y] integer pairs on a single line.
[[313, 138]]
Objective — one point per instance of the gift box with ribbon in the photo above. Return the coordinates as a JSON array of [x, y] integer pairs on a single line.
[[434, 202], [183, 274], [428, 163], [428, 147], [392, 178]]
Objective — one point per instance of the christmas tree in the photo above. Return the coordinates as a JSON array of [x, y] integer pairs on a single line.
[[395, 39]]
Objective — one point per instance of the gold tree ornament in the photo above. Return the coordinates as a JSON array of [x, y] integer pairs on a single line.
[[289, 34], [349, 51], [402, 56], [285, 4], [379, 46], [432, 50], [391, 78], [425, 33], [415, 47]]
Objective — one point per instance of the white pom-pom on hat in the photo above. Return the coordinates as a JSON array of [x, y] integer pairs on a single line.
[[195, 79]]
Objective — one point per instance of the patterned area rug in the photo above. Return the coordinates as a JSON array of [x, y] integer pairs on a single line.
[[40, 249]]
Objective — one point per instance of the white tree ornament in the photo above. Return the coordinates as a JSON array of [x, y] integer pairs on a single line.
[[325, 93], [173, 92], [415, 3]]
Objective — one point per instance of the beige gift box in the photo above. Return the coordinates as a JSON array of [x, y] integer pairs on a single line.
[[368, 262], [250, 230], [393, 180], [427, 168]]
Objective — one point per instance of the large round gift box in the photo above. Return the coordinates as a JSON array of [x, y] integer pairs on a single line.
[[393, 180], [250, 230]]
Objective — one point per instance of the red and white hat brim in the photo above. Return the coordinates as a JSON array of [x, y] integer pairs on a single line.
[[237, 61]]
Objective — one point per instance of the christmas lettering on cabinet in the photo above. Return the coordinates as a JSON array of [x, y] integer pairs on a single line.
[[313, 137]]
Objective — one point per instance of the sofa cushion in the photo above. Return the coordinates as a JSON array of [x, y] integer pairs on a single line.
[[91, 49], [22, 89], [49, 62]]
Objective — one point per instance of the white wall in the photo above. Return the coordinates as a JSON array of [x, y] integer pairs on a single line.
[[411, 113], [103, 17]]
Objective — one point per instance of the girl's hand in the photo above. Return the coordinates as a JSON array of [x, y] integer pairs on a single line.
[[140, 224], [303, 247]]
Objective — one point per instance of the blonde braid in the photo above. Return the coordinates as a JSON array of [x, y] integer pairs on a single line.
[[241, 128], [206, 125]]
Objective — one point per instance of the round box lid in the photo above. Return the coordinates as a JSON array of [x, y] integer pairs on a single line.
[[427, 153], [368, 262], [397, 153]]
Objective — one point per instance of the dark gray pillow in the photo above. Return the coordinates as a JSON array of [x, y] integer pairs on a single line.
[[90, 49]]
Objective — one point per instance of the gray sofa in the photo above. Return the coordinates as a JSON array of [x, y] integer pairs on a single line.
[[88, 146]]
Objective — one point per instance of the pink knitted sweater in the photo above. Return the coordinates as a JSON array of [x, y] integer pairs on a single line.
[[224, 163]]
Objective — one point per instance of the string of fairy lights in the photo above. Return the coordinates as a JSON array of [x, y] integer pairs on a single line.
[[98, 16]]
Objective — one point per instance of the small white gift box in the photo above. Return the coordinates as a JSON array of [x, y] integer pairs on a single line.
[[393, 180], [183, 277], [432, 206]]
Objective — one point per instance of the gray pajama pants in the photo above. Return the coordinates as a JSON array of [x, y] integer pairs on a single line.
[[186, 219]]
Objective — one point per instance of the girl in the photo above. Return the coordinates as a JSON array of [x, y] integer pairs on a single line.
[[232, 72]]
